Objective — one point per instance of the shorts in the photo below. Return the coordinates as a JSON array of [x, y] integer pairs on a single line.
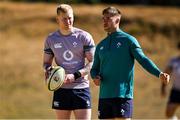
[[115, 108], [71, 99], [174, 96]]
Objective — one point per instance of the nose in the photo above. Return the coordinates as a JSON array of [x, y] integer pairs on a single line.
[[67, 21], [105, 22]]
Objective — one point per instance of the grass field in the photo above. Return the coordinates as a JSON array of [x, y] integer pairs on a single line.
[[24, 27]]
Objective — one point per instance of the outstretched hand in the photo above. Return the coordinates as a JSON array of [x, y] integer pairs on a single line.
[[165, 78]]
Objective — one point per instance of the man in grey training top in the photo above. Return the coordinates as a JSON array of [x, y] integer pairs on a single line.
[[70, 46]]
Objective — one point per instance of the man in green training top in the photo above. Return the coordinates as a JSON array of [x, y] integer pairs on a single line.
[[113, 68]]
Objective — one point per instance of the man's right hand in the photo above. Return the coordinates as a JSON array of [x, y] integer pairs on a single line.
[[97, 80], [48, 72]]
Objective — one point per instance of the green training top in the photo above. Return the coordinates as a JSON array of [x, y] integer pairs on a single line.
[[114, 62]]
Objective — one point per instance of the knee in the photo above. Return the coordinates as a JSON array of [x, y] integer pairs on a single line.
[[169, 114]]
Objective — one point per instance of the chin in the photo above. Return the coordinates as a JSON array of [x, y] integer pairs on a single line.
[[67, 27], [106, 29]]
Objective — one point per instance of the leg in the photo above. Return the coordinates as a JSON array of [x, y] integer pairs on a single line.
[[84, 114], [63, 114], [170, 109], [62, 103], [105, 109], [82, 104], [173, 103], [124, 108]]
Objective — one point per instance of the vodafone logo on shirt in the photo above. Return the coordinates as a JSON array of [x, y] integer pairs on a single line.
[[68, 55]]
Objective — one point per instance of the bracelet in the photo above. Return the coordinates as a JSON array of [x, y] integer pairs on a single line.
[[77, 75]]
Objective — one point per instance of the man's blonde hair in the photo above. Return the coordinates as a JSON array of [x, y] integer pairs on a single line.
[[65, 8]]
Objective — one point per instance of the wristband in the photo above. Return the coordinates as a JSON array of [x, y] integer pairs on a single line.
[[47, 67], [77, 75]]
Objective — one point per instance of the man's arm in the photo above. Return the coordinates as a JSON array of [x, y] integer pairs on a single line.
[[167, 70], [96, 69], [47, 63], [147, 64], [89, 56], [84, 71]]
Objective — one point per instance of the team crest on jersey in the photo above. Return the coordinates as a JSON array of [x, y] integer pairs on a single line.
[[74, 44], [58, 45], [118, 44], [101, 48]]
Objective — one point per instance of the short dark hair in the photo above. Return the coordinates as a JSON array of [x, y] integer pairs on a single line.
[[111, 10]]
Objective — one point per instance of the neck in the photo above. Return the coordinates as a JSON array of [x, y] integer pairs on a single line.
[[66, 32], [113, 30]]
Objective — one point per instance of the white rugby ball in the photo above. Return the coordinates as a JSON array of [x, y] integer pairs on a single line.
[[56, 78]]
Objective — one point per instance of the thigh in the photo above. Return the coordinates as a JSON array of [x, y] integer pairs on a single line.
[[81, 99], [82, 114], [62, 99], [115, 108], [170, 109], [63, 114], [123, 108], [105, 108], [173, 103], [174, 96]]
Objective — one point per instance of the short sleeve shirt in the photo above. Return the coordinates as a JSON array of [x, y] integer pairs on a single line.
[[69, 52], [174, 64]]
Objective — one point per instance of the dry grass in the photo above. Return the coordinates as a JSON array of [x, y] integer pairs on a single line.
[[24, 27]]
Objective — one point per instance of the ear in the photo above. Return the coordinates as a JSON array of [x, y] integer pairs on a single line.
[[117, 20]]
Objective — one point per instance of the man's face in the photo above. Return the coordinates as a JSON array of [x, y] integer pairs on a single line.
[[110, 22], [65, 20]]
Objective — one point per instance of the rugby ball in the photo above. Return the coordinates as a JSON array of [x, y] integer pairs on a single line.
[[56, 78]]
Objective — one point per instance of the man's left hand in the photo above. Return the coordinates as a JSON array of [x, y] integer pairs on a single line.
[[69, 78], [165, 78]]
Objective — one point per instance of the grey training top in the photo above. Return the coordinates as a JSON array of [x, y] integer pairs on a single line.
[[174, 64], [69, 53]]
